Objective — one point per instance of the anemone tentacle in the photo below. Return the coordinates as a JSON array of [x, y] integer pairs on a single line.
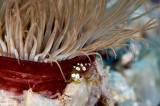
[[29, 30]]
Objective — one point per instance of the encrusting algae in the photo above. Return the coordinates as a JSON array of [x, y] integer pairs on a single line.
[[39, 36]]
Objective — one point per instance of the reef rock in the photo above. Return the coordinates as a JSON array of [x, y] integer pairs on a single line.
[[144, 76], [123, 94]]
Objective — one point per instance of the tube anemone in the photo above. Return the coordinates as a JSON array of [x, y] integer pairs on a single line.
[[41, 40]]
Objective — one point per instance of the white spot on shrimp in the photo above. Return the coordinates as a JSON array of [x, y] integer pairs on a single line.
[[84, 68], [73, 75], [78, 69], [76, 76]]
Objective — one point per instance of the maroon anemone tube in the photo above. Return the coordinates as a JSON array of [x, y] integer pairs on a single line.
[[19, 75]]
